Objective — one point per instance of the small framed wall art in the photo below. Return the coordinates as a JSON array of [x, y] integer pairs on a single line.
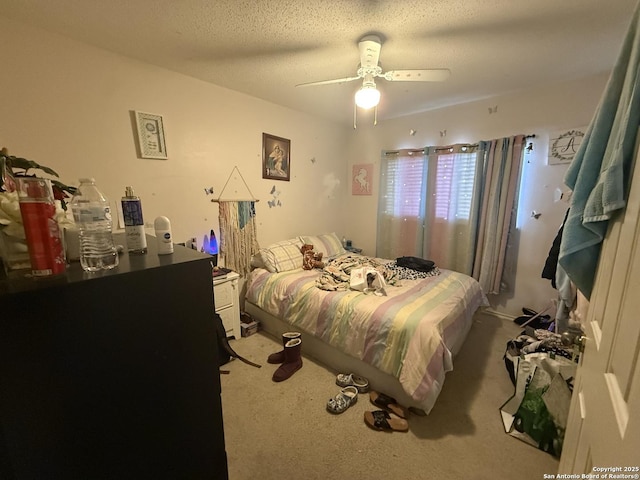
[[151, 141], [564, 144], [361, 178], [276, 157]]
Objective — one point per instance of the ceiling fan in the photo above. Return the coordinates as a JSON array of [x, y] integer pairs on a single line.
[[368, 95]]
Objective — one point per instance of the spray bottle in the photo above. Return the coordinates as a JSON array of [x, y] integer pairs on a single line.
[[133, 222]]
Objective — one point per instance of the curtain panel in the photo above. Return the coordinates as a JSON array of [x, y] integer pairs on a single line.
[[502, 162], [452, 203], [401, 205]]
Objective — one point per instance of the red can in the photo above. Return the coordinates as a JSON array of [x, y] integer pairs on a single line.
[[44, 237]]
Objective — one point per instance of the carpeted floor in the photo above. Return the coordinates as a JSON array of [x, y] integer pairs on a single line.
[[282, 430]]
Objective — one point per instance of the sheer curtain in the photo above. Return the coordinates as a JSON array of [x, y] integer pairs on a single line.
[[452, 201], [401, 205]]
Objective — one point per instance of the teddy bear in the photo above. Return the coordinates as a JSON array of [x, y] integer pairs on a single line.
[[311, 259]]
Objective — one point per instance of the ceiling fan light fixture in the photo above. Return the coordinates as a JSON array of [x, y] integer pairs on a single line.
[[367, 97]]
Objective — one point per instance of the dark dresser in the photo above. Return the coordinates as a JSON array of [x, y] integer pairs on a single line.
[[112, 375]]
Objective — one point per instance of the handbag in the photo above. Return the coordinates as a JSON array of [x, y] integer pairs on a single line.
[[415, 263]]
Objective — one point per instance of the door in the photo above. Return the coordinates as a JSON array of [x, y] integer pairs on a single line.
[[603, 430]]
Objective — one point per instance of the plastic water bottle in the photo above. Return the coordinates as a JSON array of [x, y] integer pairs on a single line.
[[92, 215]]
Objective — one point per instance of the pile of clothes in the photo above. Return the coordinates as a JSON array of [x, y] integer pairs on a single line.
[[336, 274]]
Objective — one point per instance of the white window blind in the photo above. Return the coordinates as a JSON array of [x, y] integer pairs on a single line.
[[454, 182], [402, 183]]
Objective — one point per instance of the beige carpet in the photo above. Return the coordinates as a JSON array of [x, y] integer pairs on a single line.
[[282, 430]]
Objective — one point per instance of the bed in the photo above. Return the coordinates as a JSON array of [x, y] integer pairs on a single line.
[[402, 342]]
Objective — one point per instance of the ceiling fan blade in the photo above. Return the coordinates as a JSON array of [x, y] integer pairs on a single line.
[[327, 82], [432, 75], [369, 47]]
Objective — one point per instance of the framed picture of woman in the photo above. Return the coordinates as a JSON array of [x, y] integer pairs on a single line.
[[276, 157]]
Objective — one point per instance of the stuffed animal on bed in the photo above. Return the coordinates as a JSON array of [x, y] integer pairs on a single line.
[[311, 259]]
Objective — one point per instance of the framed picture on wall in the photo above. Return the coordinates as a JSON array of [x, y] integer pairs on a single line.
[[361, 179], [276, 157], [564, 144], [150, 129]]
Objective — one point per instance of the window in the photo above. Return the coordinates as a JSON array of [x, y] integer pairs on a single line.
[[402, 181], [431, 206], [426, 205], [454, 182]]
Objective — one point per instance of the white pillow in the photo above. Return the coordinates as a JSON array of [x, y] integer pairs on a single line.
[[282, 256], [329, 244]]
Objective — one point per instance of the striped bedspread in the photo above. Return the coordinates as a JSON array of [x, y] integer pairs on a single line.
[[411, 334]]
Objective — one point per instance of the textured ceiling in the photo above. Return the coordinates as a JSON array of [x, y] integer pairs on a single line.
[[265, 47]]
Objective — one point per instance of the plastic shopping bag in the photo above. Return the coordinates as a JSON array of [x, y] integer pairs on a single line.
[[367, 280]]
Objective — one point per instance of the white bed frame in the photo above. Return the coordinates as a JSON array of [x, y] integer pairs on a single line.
[[339, 362]]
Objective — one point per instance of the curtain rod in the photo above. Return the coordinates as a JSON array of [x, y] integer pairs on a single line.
[[411, 150], [439, 149], [451, 148]]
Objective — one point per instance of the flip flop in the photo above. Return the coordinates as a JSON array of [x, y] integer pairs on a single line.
[[388, 403], [382, 420]]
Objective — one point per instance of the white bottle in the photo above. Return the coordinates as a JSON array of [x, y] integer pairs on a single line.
[[162, 226], [92, 215]]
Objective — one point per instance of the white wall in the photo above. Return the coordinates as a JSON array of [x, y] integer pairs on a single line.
[[541, 112], [67, 105]]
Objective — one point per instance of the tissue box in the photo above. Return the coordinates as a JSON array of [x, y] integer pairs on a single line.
[[248, 329]]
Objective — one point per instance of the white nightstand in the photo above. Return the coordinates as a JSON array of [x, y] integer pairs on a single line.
[[225, 291]]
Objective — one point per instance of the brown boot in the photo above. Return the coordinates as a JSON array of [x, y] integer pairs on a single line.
[[279, 356], [292, 360]]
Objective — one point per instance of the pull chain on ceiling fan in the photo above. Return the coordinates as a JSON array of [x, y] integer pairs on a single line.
[[368, 96]]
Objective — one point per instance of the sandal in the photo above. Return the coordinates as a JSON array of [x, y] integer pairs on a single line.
[[343, 400], [381, 420], [344, 380], [388, 403]]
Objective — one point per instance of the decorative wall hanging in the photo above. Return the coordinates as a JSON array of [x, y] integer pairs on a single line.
[[564, 144], [238, 233], [276, 157], [239, 239], [151, 142], [361, 179]]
